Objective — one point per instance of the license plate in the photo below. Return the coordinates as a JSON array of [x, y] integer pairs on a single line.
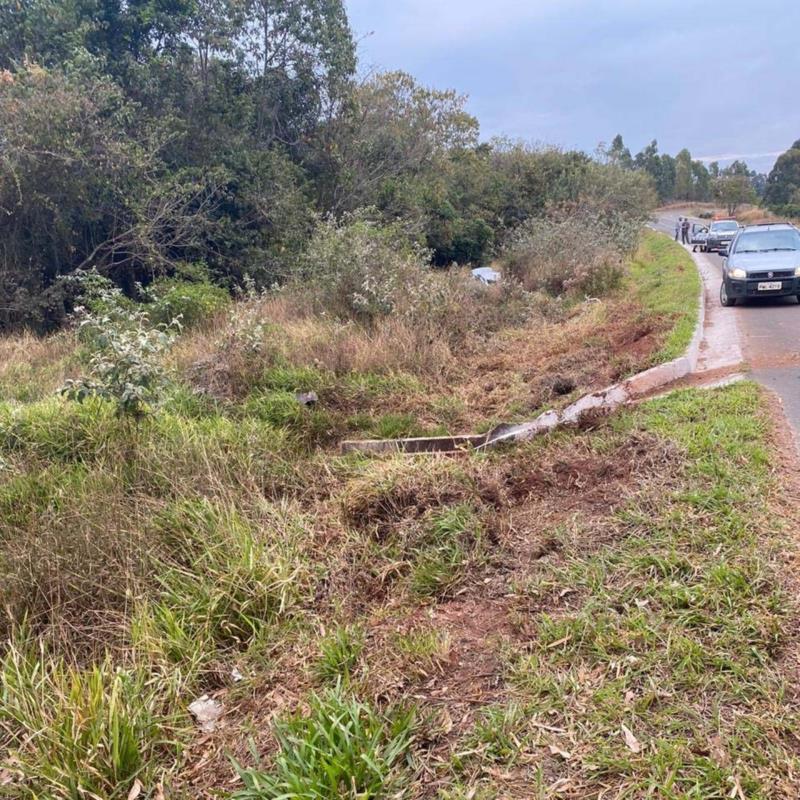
[[769, 286]]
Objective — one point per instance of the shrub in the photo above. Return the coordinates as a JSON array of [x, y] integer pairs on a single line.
[[341, 749], [125, 356], [360, 269], [570, 254], [190, 303]]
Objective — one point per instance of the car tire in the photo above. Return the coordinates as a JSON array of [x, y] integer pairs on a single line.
[[724, 299]]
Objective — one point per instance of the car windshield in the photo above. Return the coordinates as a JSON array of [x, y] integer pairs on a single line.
[[767, 241], [724, 226]]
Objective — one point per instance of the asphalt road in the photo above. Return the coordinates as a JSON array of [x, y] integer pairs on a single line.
[[767, 332]]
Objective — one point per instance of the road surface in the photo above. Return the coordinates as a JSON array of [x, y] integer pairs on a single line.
[[763, 334]]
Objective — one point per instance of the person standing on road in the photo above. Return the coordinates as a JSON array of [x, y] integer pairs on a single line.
[[685, 231], [678, 228]]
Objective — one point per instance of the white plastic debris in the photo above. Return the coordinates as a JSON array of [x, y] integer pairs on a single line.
[[206, 712]]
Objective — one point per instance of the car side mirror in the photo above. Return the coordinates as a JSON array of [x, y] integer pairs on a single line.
[[724, 253]]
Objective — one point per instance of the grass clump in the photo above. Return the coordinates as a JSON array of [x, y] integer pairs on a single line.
[[341, 748], [339, 654], [95, 730], [452, 537], [221, 582]]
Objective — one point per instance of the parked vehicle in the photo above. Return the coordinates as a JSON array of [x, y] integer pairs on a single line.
[[486, 275], [699, 237], [763, 261], [721, 234]]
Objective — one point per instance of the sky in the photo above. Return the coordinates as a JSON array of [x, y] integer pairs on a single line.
[[720, 78]]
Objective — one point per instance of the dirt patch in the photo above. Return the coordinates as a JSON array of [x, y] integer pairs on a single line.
[[590, 480], [522, 371]]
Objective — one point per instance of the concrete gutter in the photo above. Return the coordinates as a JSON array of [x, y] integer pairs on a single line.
[[597, 403]]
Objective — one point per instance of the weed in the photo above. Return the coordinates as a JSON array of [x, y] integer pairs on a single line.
[[339, 655], [341, 749], [96, 730]]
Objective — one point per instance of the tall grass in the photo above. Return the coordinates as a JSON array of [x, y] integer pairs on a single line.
[[72, 733]]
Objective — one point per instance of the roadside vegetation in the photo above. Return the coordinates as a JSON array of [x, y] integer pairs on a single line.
[[176, 524], [221, 254], [598, 610]]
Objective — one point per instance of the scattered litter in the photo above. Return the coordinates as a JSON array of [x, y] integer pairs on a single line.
[[633, 744], [206, 712], [307, 398], [236, 675], [136, 790]]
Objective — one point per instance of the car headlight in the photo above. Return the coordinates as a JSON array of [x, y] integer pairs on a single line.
[[737, 274], [797, 272]]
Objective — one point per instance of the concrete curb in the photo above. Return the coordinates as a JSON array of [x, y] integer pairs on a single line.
[[602, 402]]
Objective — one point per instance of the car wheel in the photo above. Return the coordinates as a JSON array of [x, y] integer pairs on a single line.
[[724, 298]]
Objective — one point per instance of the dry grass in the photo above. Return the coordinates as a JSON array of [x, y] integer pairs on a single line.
[[32, 366], [277, 330]]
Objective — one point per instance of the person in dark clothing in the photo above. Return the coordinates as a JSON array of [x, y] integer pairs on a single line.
[[685, 231]]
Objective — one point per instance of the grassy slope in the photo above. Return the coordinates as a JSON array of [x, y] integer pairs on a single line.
[[527, 604], [680, 628], [666, 283], [519, 601]]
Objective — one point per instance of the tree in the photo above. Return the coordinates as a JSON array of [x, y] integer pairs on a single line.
[[783, 183], [701, 180], [661, 168], [684, 184], [393, 132], [301, 55], [732, 189], [618, 154]]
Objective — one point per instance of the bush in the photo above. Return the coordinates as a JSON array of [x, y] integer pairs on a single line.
[[572, 254], [360, 269], [125, 361], [190, 303]]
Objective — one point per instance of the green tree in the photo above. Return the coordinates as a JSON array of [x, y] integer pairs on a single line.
[[618, 154], [732, 189], [684, 184], [783, 183], [701, 180]]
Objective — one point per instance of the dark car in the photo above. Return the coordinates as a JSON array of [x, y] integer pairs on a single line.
[[763, 261], [721, 234]]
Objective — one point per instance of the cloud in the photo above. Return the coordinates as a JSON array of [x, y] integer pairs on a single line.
[[575, 72], [739, 156]]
